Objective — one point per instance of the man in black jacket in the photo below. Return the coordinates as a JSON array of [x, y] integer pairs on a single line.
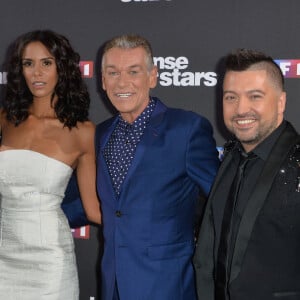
[[249, 241]]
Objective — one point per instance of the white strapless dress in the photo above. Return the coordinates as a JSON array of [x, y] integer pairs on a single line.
[[37, 260]]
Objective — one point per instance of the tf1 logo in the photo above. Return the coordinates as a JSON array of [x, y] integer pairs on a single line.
[[87, 69], [81, 233], [289, 67]]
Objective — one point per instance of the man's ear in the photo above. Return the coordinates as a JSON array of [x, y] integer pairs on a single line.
[[153, 77]]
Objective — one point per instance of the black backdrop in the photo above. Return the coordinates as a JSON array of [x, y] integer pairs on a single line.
[[189, 39]]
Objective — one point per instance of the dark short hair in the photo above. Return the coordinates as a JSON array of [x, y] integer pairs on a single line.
[[73, 98], [245, 59]]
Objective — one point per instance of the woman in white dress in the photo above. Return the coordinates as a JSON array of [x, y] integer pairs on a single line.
[[46, 134]]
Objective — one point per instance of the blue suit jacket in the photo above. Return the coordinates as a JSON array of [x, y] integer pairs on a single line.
[[149, 231]]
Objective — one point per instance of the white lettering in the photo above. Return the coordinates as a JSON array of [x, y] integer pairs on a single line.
[[182, 62], [159, 62], [165, 79], [210, 79], [171, 62], [82, 231], [174, 75], [184, 79], [3, 77], [298, 69], [86, 70], [285, 67], [187, 79], [198, 78]]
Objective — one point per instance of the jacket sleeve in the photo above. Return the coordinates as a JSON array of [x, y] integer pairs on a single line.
[[202, 156], [204, 259], [72, 205]]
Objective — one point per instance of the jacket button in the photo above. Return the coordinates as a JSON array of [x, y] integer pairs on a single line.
[[118, 213]]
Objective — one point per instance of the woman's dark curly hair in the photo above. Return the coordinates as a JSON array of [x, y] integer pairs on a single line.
[[73, 98]]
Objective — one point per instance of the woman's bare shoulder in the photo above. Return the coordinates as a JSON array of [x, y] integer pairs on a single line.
[[87, 127], [86, 132]]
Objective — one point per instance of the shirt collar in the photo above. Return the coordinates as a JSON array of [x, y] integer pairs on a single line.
[[142, 119], [263, 149]]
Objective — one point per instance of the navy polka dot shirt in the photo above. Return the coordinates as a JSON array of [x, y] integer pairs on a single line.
[[121, 146]]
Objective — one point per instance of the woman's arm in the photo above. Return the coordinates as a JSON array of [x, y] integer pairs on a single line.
[[86, 172]]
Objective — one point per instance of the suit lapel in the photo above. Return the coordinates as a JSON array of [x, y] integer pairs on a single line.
[[106, 134], [206, 235], [151, 133], [257, 199], [220, 174], [204, 259], [219, 205], [104, 177]]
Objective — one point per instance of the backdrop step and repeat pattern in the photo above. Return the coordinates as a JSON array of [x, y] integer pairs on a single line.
[[189, 38]]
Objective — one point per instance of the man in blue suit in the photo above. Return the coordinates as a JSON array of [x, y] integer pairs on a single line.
[[153, 163]]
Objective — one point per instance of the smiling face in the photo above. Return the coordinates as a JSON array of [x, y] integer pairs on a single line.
[[39, 70], [127, 80], [253, 106]]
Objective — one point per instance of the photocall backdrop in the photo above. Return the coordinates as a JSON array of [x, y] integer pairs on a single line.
[[189, 39]]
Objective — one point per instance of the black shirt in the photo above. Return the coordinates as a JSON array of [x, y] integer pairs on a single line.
[[251, 174]]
